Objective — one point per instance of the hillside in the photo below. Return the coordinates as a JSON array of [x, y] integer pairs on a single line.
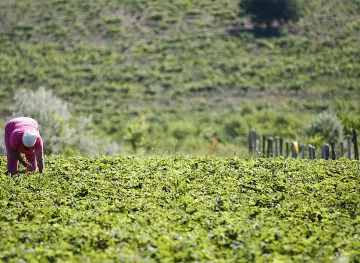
[[184, 72], [184, 209]]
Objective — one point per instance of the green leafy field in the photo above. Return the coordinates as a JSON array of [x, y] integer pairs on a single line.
[[183, 72], [181, 209]]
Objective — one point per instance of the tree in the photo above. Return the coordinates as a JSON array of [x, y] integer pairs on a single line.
[[269, 11]]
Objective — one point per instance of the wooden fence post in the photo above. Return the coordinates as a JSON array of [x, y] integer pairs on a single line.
[[341, 150], [325, 152], [302, 149], [356, 148], [275, 147], [270, 146], [264, 145], [312, 155], [310, 152], [281, 141], [287, 149], [259, 143], [348, 140], [333, 154], [252, 141]]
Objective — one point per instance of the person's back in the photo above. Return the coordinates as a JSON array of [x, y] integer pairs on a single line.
[[22, 122], [22, 136], [15, 129]]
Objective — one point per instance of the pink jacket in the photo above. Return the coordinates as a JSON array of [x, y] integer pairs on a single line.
[[14, 130]]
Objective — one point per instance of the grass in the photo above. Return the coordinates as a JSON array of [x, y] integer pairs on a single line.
[[125, 61]]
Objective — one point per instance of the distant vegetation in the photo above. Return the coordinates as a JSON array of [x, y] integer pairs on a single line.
[[268, 11], [325, 127], [173, 76]]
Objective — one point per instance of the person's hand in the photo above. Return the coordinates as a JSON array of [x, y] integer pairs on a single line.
[[29, 166], [23, 163]]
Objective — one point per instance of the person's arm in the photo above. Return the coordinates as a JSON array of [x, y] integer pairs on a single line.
[[40, 156], [12, 145]]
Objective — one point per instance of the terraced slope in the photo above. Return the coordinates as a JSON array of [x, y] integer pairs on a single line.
[[176, 62]]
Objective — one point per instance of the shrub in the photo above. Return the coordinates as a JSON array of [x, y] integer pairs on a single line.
[[268, 11], [235, 127], [182, 129], [51, 113], [62, 133], [326, 126]]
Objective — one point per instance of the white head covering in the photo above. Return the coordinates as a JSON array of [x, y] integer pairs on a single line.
[[29, 138]]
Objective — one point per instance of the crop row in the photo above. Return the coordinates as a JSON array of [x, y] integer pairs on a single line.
[[179, 208]]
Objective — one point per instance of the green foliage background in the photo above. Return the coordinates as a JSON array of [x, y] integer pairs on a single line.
[[183, 72], [183, 209], [164, 77]]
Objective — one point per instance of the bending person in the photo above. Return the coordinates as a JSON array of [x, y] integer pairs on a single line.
[[22, 137]]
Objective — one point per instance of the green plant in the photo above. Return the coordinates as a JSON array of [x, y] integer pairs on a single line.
[[136, 133], [268, 11], [234, 127], [326, 126], [181, 208], [61, 131]]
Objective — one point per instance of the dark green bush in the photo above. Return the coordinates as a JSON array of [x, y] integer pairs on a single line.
[[267, 11]]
